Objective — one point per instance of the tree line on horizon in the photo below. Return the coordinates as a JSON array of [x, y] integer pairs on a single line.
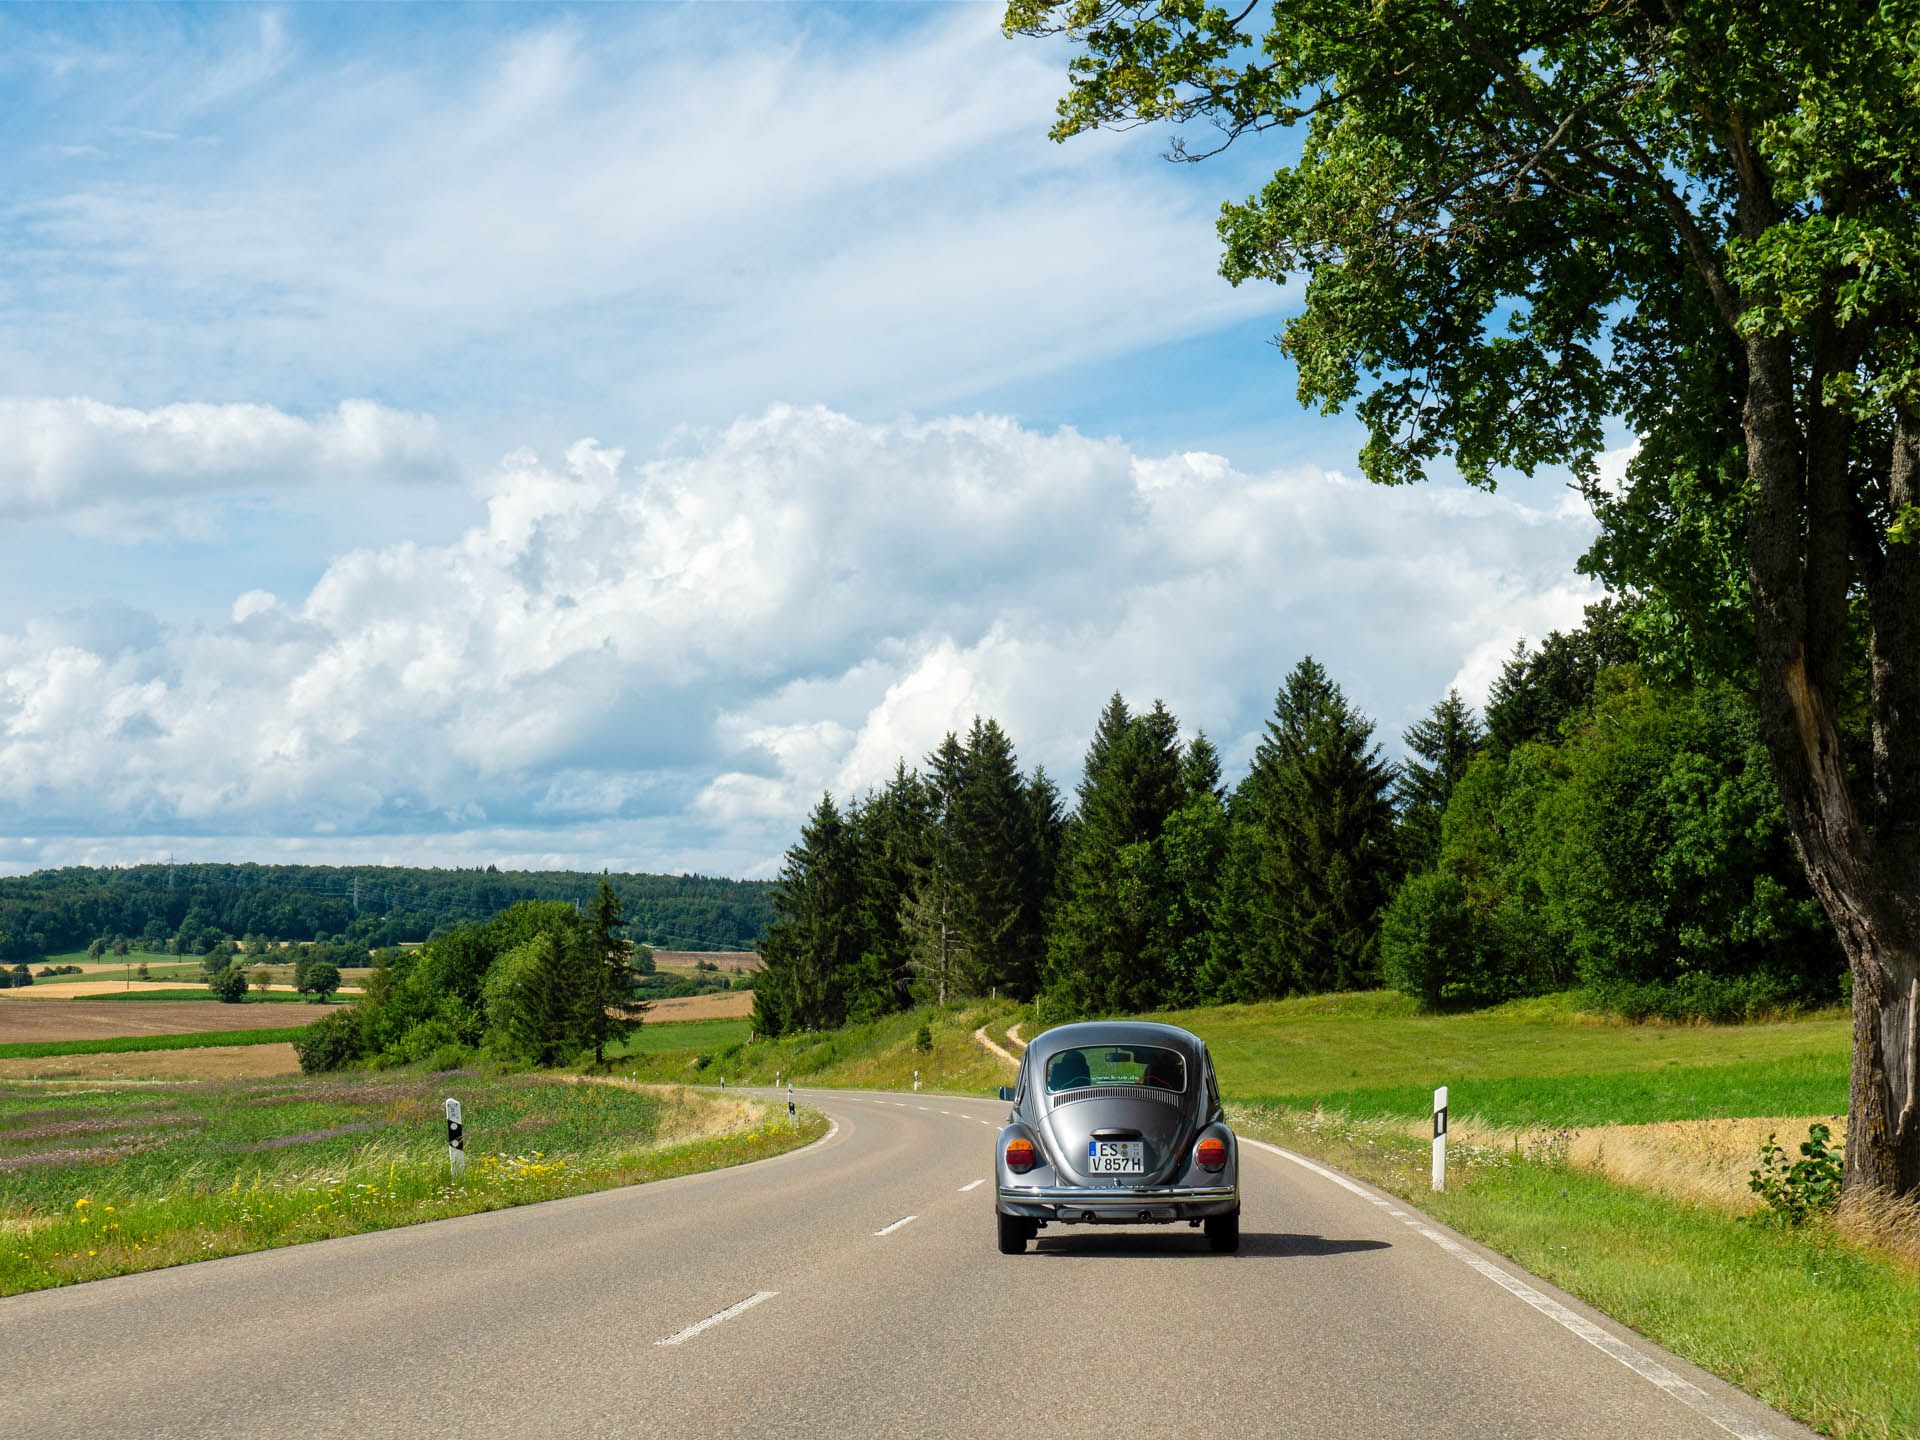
[[188, 908], [1599, 828]]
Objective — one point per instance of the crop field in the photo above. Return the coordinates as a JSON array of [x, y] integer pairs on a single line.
[[27, 1021], [107, 1179], [746, 962], [205, 1062]]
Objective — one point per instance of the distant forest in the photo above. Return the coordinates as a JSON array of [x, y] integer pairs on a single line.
[[189, 908]]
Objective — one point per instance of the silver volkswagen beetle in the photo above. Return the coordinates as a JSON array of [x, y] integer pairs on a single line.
[[1116, 1123]]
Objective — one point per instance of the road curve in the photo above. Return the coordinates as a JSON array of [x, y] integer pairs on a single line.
[[853, 1289]]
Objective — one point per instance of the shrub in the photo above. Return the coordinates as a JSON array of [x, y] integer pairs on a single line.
[[230, 985], [1809, 1186], [923, 1039], [332, 1043], [22, 976]]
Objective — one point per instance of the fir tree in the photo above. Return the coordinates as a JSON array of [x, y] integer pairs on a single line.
[[1444, 744], [1315, 861], [1109, 949], [813, 944], [613, 1013], [891, 831]]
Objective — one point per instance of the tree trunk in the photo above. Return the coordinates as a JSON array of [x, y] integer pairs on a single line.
[[1867, 877]]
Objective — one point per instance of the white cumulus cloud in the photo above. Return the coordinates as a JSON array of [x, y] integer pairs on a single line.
[[79, 457], [662, 663]]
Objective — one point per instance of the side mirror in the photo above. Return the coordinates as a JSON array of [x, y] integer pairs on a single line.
[[1006, 1092]]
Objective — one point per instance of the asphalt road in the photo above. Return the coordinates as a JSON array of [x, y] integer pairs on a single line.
[[1344, 1314]]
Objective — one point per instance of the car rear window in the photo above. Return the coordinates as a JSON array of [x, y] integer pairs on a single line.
[[1150, 1065]]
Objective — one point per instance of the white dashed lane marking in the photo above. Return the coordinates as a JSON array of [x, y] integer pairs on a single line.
[[971, 1184], [712, 1320], [903, 1220]]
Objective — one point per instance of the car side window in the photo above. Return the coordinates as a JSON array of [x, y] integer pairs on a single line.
[[1213, 1086]]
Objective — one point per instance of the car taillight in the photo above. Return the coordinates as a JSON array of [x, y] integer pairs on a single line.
[[1211, 1153], [1021, 1156]]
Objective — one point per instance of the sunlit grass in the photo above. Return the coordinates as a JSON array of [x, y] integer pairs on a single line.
[[109, 1179]]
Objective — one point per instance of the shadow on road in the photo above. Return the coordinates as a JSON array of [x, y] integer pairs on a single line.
[[1124, 1243]]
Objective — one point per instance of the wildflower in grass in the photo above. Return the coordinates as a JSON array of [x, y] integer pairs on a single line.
[[82, 1203]]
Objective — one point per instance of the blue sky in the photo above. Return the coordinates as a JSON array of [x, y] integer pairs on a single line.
[[577, 437]]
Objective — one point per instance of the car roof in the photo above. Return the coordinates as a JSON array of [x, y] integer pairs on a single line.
[[1113, 1032]]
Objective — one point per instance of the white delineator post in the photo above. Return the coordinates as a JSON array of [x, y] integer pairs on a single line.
[[1440, 1138], [916, 1081], [793, 1116], [456, 1141]]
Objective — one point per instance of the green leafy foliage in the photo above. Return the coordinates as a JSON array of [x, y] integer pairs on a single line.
[[1796, 1192]]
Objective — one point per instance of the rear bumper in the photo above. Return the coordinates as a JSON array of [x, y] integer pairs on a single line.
[[1114, 1205]]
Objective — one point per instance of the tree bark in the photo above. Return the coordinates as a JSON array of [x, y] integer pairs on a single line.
[[1866, 876]]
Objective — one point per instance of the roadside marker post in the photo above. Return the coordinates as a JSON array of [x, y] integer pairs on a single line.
[[916, 1082], [1440, 1138], [456, 1141], [793, 1116]]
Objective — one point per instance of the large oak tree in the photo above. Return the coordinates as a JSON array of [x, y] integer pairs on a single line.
[[1523, 219]]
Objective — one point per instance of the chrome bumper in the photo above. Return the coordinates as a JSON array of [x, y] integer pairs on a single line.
[[1078, 1195], [1100, 1205]]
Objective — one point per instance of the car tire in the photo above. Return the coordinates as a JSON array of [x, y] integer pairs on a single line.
[[1223, 1233], [1015, 1231]]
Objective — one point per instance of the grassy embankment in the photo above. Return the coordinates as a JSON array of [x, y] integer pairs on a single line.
[[1821, 1328], [107, 1180], [880, 1054]]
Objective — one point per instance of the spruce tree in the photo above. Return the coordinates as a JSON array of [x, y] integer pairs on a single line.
[[891, 832], [992, 833], [813, 944], [1444, 744], [1109, 949], [613, 1013], [1318, 849]]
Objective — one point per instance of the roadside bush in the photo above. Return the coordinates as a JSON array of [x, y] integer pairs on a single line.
[[1719, 999], [332, 1043], [1808, 1187], [923, 1039]]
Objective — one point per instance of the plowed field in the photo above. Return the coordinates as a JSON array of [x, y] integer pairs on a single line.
[[22, 1020]]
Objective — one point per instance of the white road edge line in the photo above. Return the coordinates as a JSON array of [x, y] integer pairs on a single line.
[[904, 1220], [972, 1184], [1647, 1368], [680, 1336]]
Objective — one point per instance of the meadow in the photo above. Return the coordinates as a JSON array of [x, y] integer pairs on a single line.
[[104, 1180]]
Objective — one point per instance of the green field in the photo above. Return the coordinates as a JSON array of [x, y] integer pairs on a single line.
[[691, 1037], [1529, 1062], [125, 1044], [103, 1181]]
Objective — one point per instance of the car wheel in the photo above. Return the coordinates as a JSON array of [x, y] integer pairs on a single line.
[[1015, 1231], [1223, 1233]]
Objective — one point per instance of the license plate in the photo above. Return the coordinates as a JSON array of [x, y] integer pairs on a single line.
[[1116, 1157]]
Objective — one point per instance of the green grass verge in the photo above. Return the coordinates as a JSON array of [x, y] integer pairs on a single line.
[[880, 1054], [122, 1044], [1816, 1329], [108, 1181]]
